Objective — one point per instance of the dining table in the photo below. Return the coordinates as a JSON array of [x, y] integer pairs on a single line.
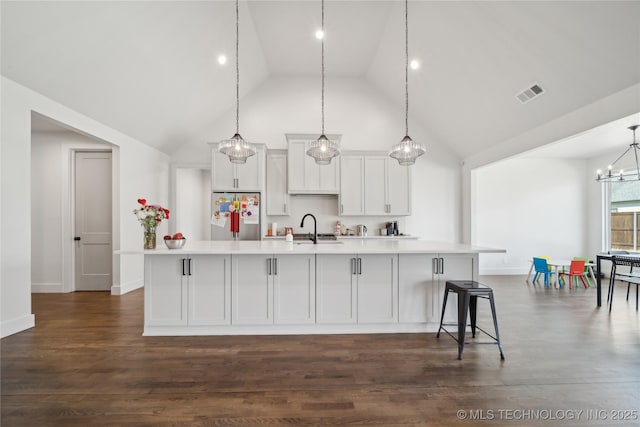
[[608, 256]]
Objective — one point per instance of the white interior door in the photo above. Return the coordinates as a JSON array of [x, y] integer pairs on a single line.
[[93, 250]]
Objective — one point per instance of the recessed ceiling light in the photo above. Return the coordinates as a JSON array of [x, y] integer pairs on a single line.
[[222, 59], [415, 64], [319, 34]]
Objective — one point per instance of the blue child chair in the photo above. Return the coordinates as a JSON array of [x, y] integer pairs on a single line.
[[541, 267]]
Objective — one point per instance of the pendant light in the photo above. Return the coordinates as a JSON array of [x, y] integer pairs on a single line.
[[407, 150], [323, 149], [236, 148], [634, 148]]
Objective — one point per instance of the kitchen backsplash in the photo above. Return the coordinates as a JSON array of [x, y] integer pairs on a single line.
[[325, 209]]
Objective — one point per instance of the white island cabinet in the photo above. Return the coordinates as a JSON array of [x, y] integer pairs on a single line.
[[274, 287], [187, 290]]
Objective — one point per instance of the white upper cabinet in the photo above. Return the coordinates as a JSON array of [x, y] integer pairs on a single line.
[[374, 185], [352, 185], [307, 177], [398, 188], [227, 176], [276, 195]]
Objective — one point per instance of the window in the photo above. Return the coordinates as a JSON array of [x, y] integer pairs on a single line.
[[624, 208]]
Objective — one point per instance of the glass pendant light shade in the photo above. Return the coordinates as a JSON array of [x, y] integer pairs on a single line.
[[323, 150], [407, 151], [237, 149]]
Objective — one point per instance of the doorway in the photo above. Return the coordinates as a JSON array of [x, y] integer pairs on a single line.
[[92, 220]]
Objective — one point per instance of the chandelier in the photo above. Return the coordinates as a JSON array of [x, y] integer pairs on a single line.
[[323, 149], [236, 148], [610, 176], [407, 150]]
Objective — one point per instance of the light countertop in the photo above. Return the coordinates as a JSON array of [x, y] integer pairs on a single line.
[[345, 246]]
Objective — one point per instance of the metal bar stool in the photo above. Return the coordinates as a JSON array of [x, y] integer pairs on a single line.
[[468, 293]]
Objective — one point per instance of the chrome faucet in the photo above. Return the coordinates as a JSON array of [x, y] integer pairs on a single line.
[[315, 227]]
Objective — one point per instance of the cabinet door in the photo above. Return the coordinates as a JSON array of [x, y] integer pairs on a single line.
[[398, 188], [294, 289], [249, 175], [222, 171], [307, 177], [209, 279], [375, 185], [378, 288], [418, 289], [165, 291], [352, 185], [276, 194], [252, 290], [336, 289]]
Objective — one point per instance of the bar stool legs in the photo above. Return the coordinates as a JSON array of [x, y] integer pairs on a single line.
[[468, 293]]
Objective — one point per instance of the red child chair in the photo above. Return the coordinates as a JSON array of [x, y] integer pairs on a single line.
[[576, 269]]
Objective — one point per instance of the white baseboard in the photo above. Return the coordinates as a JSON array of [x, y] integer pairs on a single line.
[[47, 288], [503, 271], [13, 326], [124, 288]]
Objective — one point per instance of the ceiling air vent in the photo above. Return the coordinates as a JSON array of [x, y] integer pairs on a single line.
[[529, 93]]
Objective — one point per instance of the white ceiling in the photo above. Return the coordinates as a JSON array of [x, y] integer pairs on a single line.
[[149, 69]]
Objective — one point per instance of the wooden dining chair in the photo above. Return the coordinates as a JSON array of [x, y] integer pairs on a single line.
[[576, 270]]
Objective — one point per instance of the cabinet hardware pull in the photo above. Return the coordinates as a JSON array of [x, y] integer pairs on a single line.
[[434, 265], [189, 261], [268, 266], [359, 265], [275, 266], [441, 265], [353, 266], [183, 273]]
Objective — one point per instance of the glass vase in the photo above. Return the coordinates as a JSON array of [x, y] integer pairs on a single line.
[[149, 237]]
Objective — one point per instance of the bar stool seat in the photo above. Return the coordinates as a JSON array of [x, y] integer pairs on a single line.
[[468, 293]]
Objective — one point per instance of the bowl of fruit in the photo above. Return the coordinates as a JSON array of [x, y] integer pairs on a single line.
[[176, 241]]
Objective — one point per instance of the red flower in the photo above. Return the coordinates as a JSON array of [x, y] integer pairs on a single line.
[[143, 202], [166, 212]]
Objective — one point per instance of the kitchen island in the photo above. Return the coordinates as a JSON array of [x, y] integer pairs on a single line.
[[274, 287]]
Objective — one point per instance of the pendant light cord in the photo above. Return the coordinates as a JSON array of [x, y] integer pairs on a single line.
[[322, 47], [237, 74], [406, 67]]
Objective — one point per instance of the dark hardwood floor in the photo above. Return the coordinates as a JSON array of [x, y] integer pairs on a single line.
[[87, 364]]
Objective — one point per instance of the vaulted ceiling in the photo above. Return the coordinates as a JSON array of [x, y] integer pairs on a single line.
[[149, 69]]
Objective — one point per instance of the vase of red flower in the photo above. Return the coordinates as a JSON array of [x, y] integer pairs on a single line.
[[150, 216]]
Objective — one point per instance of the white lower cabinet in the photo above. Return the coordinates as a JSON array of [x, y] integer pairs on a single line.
[[357, 288], [337, 288], [270, 289], [422, 279], [377, 288], [187, 290]]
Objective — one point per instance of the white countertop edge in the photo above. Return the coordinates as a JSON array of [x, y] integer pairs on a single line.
[[351, 246]]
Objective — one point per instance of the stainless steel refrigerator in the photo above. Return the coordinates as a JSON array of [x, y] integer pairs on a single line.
[[235, 216]]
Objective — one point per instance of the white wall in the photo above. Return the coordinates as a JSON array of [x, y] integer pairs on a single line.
[[613, 107], [193, 193], [367, 121], [143, 173], [530, 207]]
